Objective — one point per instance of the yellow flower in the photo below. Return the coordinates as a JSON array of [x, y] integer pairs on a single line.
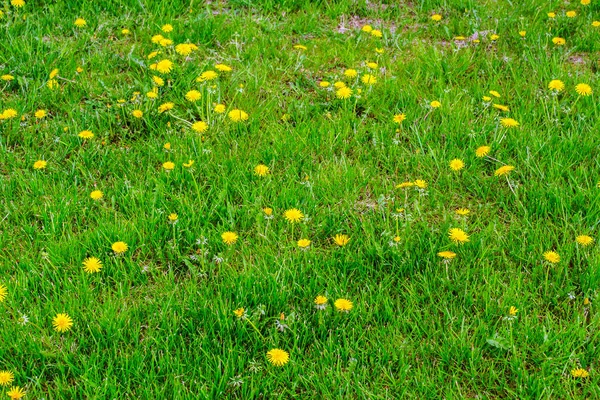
[[551, 15], [376, 33], [17, 3], [52, 84], [188, 164], [40, 164], [268, 211], [193, 96], [509, 122], [167, 28], [86, 134], [223, 68], [350, 73], [404, 185], [571, 14], [173, 217], [522, 33], [200, 126], [512, 311], [457, 164], [261, 170], [278, 357], [462, 211], [559, 41], [487, 98], [448, 255], [219, 108], [379, 50], [165, 107], [229, 237], [494, 37], [421, 184], [293, 215], [585, 2], [343, 305], [557, 85], [9, 113], [321, 302], [303, 243], [164, 66], [583, 89], [300, 47], [96, 195], [125, 31], [458, 236], [579, 373], [153, 93], [552, 257], [341, 240], [152, 55], [435, 104], [91, 265], [185, 49], [239, 312], [168, 165], [207, 76], [339, 85], [398, 118], [119, 247], [504, 170], [436, 17], [584, 240], [158, 81], [6, 378], [367, 28], [16, 392], [596, 24], [324, 84], [500, 107], [482, 151], [372, 65], [7, 77], [3, 292], [80, 22], [494, 93], [39, 114], [137, 113], [343, 93], [237, 115], [62, 322], [157, 38], [368, 79]]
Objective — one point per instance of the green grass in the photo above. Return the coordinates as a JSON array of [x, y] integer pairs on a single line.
[[158, 322]]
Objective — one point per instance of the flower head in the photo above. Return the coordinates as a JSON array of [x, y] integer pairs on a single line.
[[237, 115], [343, 93], [583, 89], [62, 322], [239, 312], [80, 22], [165, 107], [571, 14], [436, 17], [91, 265], [556, 85], [320, 302], [207, 76], [559, 41], [223, 68], [278, 357], [261, 170], [482, 151], [368, 79], [169, 165], [457, 164], [579, 373], [398, 118], [17, 3], [229, 237], [435, 104], [40, 164], [137, 113], [343, 305], [3, 293], [6, 378], [16, 392], [509, 122], [219, 108], [504, 170], [350, 73], [164, 66], [303, 243], [447, 255], [39, 114], [341, 240], [119, 247], [584, 240], [462, 211], [293, 215], [552, 257], [200, 126], [86, 134], [512, 311], [457, 235], [193, 96], [421, 184]]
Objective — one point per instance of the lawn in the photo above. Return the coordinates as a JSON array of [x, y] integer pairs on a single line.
[[299, 199]]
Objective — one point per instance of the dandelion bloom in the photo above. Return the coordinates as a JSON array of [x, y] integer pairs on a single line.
[[91, 265], [193, 96], [164, 66], [6, 378], [559, 41], [494, 37], [16, 392], [596, 24], [556, 85], [435, 104], [7, 77], [173, 217], [40, 164], [552, 257], [184, 49], [447, 255], [293, 215], [583, 89], [522, 33], [351, 73], [320, 302], [457, 235], [39, 114], [343, 93], [119, 247], [52, 84], [219, 108], [579, 373], [457, 164], [165, 107], [494, 93], [584, 240], [462, 211], [229, 237], [303, 243], [168, 165], [17, 3], [278, 357], [239, 312], [86, 134], [585, 2], [421, 184], [377, 33], [512, 311], [200, 126], [436, 17], [167, 28], [237, 115], [261, 170], [62, 322], [367, 28], [368, 79], [188, 164], [509, 122], [343, 305], [125, 31], [487, 98], [324, 84], [571, 14], [268, 211], [504, 170], [404, 185], [482, 151], [551, 15], [9, 113], [80, 22], [158, 81], [398, 118], [3, 292], [341, 240], [96, 195], [223, 68], [137, 113], [372, 65], [500, 107], [207, 76]]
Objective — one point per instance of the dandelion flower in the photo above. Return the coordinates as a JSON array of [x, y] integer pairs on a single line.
[[320, 302], [200, 126], [40, 164], [62, 322], [343, 305], [552, 257], [512, 311], [207, 76], [585, 2], [482, 151], [173, 217], [125, 31], [405, 185], [556, 85], [158, 81], [368, 79], [366, 28], [350, 73], [237, 115], [435, 104], [462, 211], [458, 236], [86, 134], [193, 96], [165, 107], [9, 113], [398, 118], [219, 108], [343, 93], [223, 68], [96, 195], [447, 255], [39, 114], [494, 37], [278, 357], [579, 373], [137, 113], [7, 77], [522, 33], [559, 41], [300, 47], [52, 84], [184, 49], [324, 84], [500, 107], [239, 312], [504, 170], [17, 3], [229, 237], [571, 14], [188, 164], [341, 240], [487, 98], [596, 24], [494, 93], [377, 33], [119, 247], [16, 392], [91, 265], [457, 164], [6, 378], [583, 89], [261, 170], [168, 165], [293, 215], [421, 184], [167, 28], [80, 22], [164, 66], [436, 17], [509, 122], [3, 292], [303, 243], [584, 240]]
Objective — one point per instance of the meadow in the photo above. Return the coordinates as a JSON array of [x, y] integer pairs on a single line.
[[299, 199]]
